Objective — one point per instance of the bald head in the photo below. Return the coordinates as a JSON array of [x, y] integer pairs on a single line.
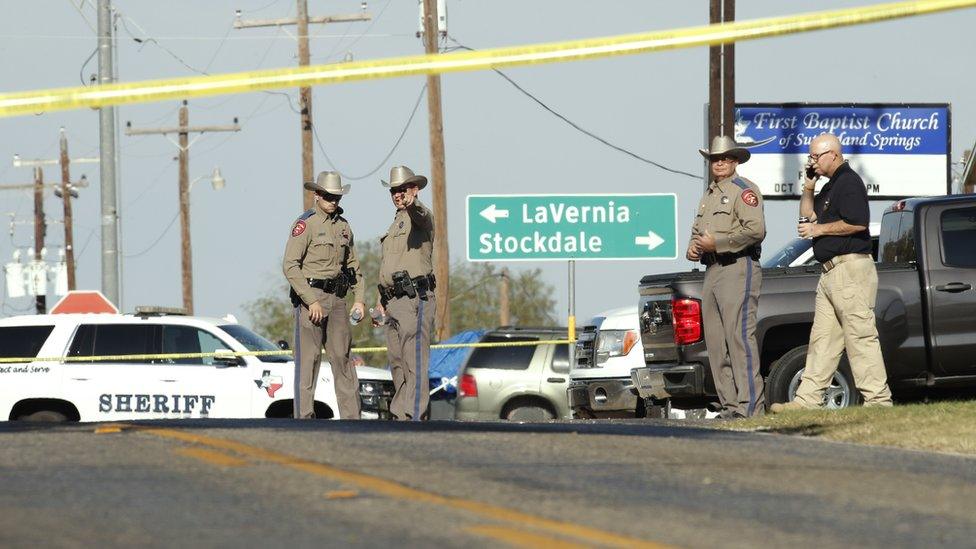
[[825, 154]]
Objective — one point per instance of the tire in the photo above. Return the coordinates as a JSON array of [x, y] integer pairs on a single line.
[[529, 413], [44, 416], [785, 377]]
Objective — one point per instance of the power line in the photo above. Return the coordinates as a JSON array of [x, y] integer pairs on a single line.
[[362, 34], [382, 163], [160, 237], [580, 128]]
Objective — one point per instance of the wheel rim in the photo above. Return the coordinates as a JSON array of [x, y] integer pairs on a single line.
[[837, 395]]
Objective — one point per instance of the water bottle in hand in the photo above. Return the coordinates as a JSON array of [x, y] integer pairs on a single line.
[[355, 316]]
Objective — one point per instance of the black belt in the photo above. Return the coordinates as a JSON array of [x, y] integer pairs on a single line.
[[338, 285], [423, 285], [730, 257]]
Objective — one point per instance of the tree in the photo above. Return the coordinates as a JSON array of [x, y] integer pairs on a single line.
[[474, 302]]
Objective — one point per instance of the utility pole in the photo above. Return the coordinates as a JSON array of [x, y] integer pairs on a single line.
[[504, 314], [64, 190], [106, 149], [721, 76], [69, 239], [305, 93], [183, 131], [40, 229], [442, 316]]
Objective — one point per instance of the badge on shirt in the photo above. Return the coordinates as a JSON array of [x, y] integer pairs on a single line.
[[401, 225], [750, 198], [725, 200], [299, 228]]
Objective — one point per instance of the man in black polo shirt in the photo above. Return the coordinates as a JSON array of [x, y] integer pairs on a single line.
[[844, 313]]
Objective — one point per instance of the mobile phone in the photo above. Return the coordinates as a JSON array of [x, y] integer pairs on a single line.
[[811, 172]]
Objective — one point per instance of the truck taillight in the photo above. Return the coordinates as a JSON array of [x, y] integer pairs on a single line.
[[468, 386], [687, 320]]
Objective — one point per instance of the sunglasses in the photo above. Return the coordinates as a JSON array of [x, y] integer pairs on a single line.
[[329, 197], [402, 189]]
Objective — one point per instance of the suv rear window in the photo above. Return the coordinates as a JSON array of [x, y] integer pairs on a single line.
[[23, 341], [503, 358]]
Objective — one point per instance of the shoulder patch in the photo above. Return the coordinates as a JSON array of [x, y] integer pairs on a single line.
[[740, 183], [299, 228], [750, 198]]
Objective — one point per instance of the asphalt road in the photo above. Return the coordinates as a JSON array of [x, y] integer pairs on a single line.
[[445, 484]]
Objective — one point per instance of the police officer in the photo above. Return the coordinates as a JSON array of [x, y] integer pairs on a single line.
[[407, 294], [726, 237], [844, 313], [322, 268]]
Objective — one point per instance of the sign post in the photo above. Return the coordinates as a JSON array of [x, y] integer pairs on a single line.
[[571, 227]]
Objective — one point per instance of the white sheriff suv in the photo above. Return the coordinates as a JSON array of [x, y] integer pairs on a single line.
[[42, 387]]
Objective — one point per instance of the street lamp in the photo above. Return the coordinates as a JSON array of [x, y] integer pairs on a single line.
[[217, 182]]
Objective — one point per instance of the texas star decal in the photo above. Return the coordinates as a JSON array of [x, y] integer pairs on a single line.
[[750, 198], [269, 383]]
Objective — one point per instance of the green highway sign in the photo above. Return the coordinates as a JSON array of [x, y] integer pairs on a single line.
[[535, 227]]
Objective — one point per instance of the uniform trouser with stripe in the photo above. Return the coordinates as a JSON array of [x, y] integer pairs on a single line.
[[334, 333], [844, 318], [409, 325], [730, 297]]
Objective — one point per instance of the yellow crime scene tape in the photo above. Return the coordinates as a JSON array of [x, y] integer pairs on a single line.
[[179, 356], [33, 102]]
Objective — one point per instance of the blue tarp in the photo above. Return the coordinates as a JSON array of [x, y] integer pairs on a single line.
[[445, 363]]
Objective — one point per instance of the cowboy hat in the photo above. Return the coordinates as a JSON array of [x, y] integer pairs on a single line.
[[328, 182], [723, 145], [402, 175]]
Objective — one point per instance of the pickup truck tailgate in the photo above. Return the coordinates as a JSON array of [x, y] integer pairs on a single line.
[[656, 324]]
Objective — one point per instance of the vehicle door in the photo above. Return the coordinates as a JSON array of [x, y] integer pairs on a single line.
[[555, 380], [211, 386], [113, 389], [950, 253]]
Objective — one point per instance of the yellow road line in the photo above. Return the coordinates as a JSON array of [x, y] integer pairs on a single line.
[[341, 494], [522, 538], [32, 102], [396, 490], [212, 457]]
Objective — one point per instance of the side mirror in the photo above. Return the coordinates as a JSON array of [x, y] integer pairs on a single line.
[[225, 358], [283, 345]]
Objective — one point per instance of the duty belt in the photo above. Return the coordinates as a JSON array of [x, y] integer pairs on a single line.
[[837, 260], [730, 257], [423, 284], [338, 285]]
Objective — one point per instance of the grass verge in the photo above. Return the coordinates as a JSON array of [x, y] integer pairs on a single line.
[[945, 426]]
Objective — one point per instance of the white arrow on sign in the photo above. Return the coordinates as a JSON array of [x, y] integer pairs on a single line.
[[652, 240], [491, 213]]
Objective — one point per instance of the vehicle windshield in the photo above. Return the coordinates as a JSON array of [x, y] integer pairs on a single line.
[[254, 342], [786, 255]]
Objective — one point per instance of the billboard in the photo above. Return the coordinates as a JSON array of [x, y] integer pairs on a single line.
[[899, 150]]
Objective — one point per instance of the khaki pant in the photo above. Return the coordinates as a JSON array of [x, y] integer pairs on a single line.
[[409, 325], [844, 318], [730, 297], [333, 331]]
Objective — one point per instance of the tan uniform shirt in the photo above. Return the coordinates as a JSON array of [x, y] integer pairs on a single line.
[[408, 244], [316, 249], [732, 214]]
